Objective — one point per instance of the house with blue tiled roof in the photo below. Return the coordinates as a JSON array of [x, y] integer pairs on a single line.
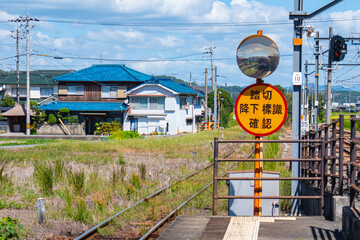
[[162, 105], [96, 94], [142, 103]]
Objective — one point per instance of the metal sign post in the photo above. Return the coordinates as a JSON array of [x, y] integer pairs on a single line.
[[260, 109]]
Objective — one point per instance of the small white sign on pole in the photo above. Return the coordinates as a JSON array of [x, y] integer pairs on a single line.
[[297, 78], [305, 125]]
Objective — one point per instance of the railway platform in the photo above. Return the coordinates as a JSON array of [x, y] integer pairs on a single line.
[[251, 228]]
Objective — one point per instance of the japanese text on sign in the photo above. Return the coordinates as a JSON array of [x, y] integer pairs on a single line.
[[261, 109]]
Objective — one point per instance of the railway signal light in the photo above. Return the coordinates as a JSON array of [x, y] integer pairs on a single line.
[[338, 49]]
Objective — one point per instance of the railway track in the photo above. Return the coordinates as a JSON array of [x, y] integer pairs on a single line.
[[92, 233]]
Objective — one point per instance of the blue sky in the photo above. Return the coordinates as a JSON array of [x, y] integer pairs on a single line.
[[163, 33]]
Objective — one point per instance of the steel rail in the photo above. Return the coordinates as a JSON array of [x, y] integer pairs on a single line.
[[93, 229], [153, 229]]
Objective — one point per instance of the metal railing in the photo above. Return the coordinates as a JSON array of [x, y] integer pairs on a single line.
[[315, 161], [341, 163]]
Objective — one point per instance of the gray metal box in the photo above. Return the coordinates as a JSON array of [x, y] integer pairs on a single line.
[[245, 207]]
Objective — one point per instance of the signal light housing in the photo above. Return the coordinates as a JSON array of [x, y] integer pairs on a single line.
[[338, 48]]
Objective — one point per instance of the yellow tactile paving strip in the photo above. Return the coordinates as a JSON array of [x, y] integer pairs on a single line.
[[247, 228]]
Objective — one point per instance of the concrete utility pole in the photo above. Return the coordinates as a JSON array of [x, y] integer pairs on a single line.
[[17, 67], [206, 97], [215, 100], [316, 103], [27, 77], [328, 92], [211, 51], [27, 20]]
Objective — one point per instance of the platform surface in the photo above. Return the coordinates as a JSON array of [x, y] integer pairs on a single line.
[[250, 228]]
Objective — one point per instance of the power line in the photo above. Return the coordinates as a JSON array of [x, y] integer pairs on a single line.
[[191, 24]]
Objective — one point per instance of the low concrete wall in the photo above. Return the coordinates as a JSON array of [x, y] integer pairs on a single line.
[[351, 224], [58, 129]]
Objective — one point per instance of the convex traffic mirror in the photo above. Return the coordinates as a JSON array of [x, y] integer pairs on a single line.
[[257, 56]]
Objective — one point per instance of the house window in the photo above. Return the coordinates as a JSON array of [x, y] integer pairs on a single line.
[[109, 92], [148, 103], [75, 90], [197, 101], [46, 92], [182, 103], [143, 103], [156, 103], [22, 92], [189, 121]]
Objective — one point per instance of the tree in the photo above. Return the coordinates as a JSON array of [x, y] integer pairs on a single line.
[[8, 102], [227, 105]]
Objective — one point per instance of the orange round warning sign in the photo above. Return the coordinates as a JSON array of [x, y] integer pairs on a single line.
[[261, 109]]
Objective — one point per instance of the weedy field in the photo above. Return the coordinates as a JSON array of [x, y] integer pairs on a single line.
[[85, 182]]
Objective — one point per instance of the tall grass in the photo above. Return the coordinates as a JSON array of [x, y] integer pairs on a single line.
[[47, 175]]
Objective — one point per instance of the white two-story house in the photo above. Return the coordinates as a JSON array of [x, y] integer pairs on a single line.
[[160, 105]]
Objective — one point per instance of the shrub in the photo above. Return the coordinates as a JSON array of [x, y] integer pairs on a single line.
[[52, 119], [106, 128], [120, 135], [10, 228], [8, 102], [63, 113]]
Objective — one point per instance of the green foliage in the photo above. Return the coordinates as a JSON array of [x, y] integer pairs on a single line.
[[226, 106], [46, 175], [10, 228], [64, 114], [81, 213], [52, 119], [4, 204], [8, 102], [77, 179], [39, 117], [106, 128], [120, 135], [135, 181], [121, 160]]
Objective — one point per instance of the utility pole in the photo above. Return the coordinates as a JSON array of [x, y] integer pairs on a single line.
[[215, 100], [27, 20], [328, 91], [206, 97], [17, 67], [211, 51], [316, 103], [190, 79], [27, 77], [17, 37]]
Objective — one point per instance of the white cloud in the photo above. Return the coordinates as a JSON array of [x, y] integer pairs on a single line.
[[110, 34], [64, 43], [170, 41], [4, 16], [346, 26]]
